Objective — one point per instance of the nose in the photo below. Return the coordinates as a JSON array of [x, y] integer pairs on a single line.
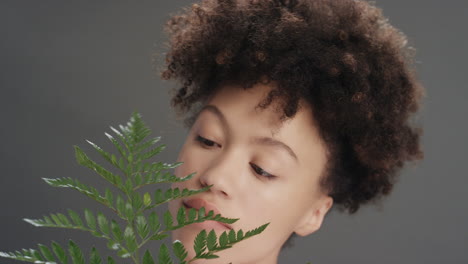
[[223, 173]]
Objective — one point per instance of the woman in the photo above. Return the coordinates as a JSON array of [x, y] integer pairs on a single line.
[[293, 107]]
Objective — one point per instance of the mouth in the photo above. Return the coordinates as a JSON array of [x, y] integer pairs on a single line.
[[208, 223]]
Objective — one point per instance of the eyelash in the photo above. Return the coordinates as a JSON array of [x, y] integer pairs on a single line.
[[208, 143]]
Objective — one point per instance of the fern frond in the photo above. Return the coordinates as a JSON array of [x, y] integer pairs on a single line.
[[84, 160], [199, 244], [134, 161], [147, 258], [82, 188], [204, 242], [164, 257], [130, 239], [123, 138], [94, 257], [201, 217], [142, 227], [211, 242], [138, 129], [27, 256], [107, 156], [151, 153], [116, 143], [62, 221], [147, 144], [44, 254], [179, 251], [161, 197], [76, 253], [156, 177], [59, 252]]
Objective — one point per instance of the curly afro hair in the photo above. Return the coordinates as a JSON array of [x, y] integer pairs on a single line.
[[342, 57]]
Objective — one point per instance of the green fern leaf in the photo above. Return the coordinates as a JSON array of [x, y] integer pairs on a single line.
[[113, 245], [64, 220], [154, 222], [211, 240], [240, 235], [75, 217], [103, 224], [179, 251], [84, 160], [199, 244], [120, 205], [158, 236], [168, 194], [147, 144], [128, 185], [232, 236], [47, 222], [123, 253], [94, 257], [123, 138], [208, 256], [168, 221], [109, 196], [223, 239], [75, 253], [138, 177], [164, 257], [137, 201], [256, 231], [90, 220], [158, 196], [104, 154], [116, 143], [142, 226], [138, 129], [116, 231], [59, 252], [36, 254], [181, 216], [147, 258], [147, 199], [110, 260], [152, 152], [46, 253], [82, 188], [17, 256], [130, 239], [128, 211], [201, 213], [192, 214]]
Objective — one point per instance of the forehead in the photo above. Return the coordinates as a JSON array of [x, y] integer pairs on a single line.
[[236, 101]]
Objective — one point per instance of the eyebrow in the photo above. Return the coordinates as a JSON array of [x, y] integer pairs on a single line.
[[257, 140]]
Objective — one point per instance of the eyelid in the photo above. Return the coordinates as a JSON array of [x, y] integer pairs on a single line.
[[269, 176], [204, 141]]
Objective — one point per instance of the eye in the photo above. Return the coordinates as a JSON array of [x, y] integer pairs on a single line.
[[205, 142], [261, 172]]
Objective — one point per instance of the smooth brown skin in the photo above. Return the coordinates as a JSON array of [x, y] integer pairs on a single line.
[[291, 202]]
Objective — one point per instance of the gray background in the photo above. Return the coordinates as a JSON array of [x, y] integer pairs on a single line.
[[70, 70]]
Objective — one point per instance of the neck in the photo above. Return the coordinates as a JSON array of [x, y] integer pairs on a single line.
[[269, 259]]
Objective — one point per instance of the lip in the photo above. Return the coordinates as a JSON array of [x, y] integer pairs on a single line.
[[198, 203]]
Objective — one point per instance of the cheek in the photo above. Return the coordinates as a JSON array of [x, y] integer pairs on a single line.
[[264, 204], [193, 161], [278, 205]]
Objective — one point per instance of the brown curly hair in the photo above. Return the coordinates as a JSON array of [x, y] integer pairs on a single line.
[[342, 57]]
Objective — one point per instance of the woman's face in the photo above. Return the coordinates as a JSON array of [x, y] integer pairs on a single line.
[[262, 171]]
